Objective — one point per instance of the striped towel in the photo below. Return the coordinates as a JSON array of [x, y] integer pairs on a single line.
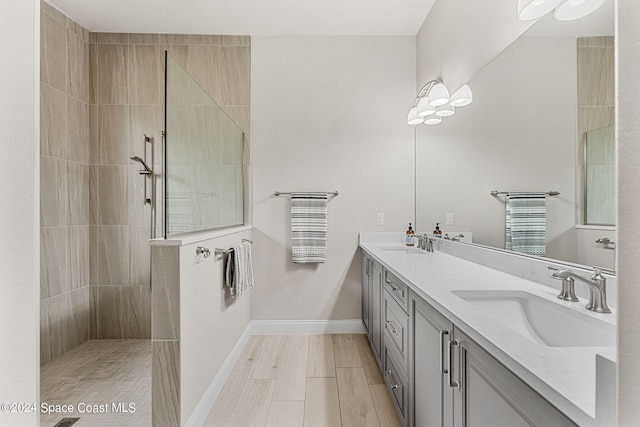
[[239, 270], [526, 223], [309, 227]]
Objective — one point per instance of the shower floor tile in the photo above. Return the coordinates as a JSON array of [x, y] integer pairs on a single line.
[[107, 382]]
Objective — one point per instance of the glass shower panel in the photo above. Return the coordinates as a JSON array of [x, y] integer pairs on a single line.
[[600, 177], [204, 186]]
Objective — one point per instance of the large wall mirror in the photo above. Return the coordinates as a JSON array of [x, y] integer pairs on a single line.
[[541, 121]]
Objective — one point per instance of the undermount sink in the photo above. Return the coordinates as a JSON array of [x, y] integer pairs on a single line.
[[401, 250], [542, 321]]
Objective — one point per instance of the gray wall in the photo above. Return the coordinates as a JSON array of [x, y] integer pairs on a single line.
[[328, 113]]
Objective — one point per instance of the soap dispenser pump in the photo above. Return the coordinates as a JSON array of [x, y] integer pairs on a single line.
[[409, 236], [437, 232]]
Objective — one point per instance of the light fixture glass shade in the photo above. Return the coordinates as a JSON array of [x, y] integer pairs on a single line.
[[575, 9], [432, 120], [462, 97], [529, 10], [439, 95], [412, 117], [424, 109], [445, 110]]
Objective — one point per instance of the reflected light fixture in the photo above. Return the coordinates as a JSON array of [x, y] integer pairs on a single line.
[[576, 9], [433, 103]]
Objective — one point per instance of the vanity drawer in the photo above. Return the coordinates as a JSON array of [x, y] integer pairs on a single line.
[[397, 383], [396, 326], [397, 289]]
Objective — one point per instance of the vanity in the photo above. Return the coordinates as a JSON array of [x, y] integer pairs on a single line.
[[463, 344]]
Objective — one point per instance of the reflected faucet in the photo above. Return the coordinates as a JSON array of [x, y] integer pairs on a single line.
[[597, 288], [147, 170]]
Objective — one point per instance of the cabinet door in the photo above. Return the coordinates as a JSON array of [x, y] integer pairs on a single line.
[[366, 285], [490, 395], [432, 396], [376, 309]]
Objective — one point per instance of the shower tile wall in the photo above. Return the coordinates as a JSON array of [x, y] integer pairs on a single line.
[[99, 94], [64, 182], [126, 97]]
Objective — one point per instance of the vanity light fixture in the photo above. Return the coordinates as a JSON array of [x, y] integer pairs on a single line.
[[439, 95], [433, 120], [461, 97], [529, 10], [575, 9], [433, 103], [565, 10], [413, 118], [445, 110]]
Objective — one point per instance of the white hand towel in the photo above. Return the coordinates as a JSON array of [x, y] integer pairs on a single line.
[[239, 270]]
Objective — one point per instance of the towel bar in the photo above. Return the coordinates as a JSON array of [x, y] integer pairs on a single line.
[[548, 193], [329, 193], [220, 251]]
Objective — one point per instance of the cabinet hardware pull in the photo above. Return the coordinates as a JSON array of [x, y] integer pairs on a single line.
[[455, 384], [393, 330], [442, 368], [388, 373], [394, 387], [391, 285]]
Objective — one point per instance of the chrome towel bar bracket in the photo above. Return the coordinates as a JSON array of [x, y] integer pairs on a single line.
[[220, 251]]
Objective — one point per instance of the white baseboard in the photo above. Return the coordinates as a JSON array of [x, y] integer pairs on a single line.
[[199, 414], [294, 327], [266, 327]]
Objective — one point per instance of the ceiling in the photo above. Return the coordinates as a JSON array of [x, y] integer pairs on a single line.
[[250, 17]]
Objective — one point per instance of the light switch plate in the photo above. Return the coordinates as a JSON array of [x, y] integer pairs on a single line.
[[380, 218], [449, 219]]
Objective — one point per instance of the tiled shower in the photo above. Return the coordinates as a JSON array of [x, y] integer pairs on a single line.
[[100, 94]]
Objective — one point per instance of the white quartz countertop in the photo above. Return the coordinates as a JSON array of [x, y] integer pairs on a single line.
[[565, 376]]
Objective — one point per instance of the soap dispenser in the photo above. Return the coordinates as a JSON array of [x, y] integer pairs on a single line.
[[409, 238], [437, 232]]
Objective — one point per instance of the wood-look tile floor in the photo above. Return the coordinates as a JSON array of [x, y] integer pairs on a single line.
[[100, 372], [305, 380]]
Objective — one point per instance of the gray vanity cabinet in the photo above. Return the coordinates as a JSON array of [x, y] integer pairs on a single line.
[[489, 395], [372, 303], [366, 292], [432, 395]]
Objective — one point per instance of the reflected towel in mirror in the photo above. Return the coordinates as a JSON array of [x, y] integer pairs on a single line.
[[526, 223]]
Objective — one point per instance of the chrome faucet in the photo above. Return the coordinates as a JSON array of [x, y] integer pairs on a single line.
[[457, 237], [568, 292], [424, 242], [597, 288]]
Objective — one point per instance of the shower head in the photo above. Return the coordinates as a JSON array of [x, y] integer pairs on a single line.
[[147, 170]]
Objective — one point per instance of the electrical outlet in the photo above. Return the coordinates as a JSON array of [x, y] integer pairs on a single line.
[[380, 218], [449, 219]]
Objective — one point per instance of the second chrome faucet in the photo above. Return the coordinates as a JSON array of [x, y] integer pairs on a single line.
[[597, 288]]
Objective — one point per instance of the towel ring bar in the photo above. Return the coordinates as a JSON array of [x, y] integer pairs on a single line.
[[548, 193], [329, 193]]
